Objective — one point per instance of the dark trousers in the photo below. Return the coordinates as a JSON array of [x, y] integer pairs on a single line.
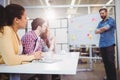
[[109, 61]]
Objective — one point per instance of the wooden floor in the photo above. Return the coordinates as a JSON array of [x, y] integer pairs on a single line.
[[96, 74]]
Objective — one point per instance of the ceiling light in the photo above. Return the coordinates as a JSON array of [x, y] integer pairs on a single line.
[[109, 2], [72, 3], [50, 14], [47, 2], [69, 16]]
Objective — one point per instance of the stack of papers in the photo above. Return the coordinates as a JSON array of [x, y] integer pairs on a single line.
[[47, 60]]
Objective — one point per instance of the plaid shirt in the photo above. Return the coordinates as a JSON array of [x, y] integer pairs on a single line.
[[29, 42]]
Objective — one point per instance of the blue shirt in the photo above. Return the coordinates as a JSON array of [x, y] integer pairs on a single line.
[[107, 38]]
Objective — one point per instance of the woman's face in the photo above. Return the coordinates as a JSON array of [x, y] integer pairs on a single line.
[[44, 27], [22, 23]]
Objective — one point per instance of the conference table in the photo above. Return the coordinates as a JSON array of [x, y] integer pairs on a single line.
[[63, 64]]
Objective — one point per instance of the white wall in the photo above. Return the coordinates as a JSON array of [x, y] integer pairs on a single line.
[[117, 7]]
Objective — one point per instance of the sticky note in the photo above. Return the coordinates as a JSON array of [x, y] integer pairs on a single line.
[[93, 20], [73, 37]]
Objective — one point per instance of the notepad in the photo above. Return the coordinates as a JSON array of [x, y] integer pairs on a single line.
[[49, 60], [46, 61]]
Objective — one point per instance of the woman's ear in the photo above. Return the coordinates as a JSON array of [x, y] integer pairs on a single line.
[[39, 27], [16, 20]]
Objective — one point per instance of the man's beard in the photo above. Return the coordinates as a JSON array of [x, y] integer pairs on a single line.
[[103, 17]]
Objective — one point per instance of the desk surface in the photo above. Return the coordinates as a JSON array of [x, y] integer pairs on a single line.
[[67, 65]]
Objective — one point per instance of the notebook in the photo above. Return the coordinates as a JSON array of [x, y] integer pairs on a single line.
[[49, 60], [46, 60]]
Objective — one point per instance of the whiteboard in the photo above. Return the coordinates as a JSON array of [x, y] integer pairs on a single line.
[[81, 30]]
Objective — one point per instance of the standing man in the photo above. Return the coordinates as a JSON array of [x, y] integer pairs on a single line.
[[106, 29]]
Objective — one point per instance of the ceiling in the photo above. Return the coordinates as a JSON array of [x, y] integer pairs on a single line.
[[61, 7], [57, 2]]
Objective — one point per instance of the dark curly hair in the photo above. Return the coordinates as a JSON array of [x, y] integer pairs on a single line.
[[12, 11], [8, 14], [2, 18]]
